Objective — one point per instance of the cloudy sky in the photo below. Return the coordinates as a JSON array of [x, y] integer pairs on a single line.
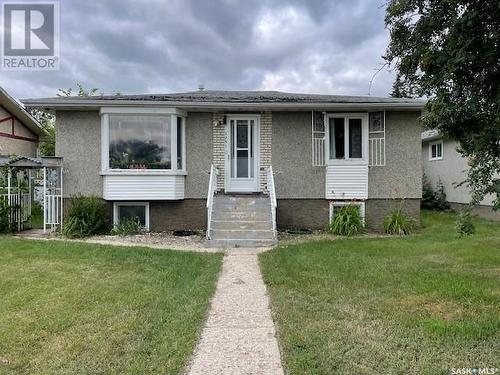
[[157, 46]]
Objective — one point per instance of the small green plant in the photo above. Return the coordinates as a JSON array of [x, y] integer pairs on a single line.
[[87, 216], [347, 220], [463, 223], [433, 199], [128, 227], [399, 223], [5, 209]]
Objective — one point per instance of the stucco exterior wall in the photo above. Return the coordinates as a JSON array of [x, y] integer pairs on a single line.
[[294, 175], [199, 146], [78, 141], [401, 177], [12, 146], [450, 170]]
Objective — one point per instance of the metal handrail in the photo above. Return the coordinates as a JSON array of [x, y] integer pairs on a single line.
[[212, 188], [272, 196]]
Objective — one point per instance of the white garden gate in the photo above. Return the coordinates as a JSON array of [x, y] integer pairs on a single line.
[[21, 177]]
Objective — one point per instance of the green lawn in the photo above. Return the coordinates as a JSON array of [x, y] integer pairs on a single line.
[[73, 308], [417, 305]]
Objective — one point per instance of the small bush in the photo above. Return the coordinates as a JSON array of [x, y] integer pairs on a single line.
[[347, 221], [433, 199], [4, 216], [398, 222], [428, 195], [128, 227], [463, 223], [87, 216]]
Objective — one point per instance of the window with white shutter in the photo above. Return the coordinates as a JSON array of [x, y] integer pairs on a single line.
[[318, 139], [376, 139]]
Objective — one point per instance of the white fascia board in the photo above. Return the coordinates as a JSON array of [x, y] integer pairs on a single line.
[[143, 110], [97, 104]]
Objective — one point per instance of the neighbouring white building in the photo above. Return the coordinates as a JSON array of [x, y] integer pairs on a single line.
[[442, 161]]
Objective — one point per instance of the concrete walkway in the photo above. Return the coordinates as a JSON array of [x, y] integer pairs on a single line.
[[239, 335]]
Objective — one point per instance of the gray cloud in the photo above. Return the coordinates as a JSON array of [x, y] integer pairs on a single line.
[[319, 46]]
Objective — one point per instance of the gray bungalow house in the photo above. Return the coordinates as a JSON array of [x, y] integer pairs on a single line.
[[240, 164]]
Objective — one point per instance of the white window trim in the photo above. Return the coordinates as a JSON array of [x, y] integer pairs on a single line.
[[430, 150], [318, 156], [372, 162], [117, 205], [364, 133], [334, 204], [173, 112]]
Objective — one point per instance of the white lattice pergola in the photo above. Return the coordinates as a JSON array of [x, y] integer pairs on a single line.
[[18, 175]]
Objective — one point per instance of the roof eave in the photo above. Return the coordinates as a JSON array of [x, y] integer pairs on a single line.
[[21, 114], [96, 104]]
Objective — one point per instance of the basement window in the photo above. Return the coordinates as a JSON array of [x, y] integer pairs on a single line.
[[335, 205], [131, 211]]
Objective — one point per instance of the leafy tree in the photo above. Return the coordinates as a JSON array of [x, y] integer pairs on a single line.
[[449, 52], [47, 118]]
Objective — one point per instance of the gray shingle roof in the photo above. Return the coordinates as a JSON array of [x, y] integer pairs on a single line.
[[216, 96]]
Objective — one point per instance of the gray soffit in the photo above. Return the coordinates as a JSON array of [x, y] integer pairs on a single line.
[[242, 100]]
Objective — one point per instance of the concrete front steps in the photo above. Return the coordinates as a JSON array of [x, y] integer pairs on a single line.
[[241, 221]]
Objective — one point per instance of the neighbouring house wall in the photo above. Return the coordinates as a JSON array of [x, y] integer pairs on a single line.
[[452, 169], [12, 146], [199, 146], [294, 175], [78, 141], [401, 177]]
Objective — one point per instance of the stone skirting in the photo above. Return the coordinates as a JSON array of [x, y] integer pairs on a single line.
[[315, 213], [377, 209], [291, 213]]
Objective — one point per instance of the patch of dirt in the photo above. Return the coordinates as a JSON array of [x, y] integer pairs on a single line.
[[430, 306], [164, 240]]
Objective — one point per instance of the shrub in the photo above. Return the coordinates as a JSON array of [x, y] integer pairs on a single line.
[[463, 223], [128, 227], [428, 195], [87, 216], [347, 221], [398, 222], [4, 216], [433, 199]]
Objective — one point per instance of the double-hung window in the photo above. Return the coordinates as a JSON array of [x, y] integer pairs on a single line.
[[347, 137], [436, 150], [143, 140]]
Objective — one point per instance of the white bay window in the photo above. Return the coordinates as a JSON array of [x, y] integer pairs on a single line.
[[142, 140], [143, 153]]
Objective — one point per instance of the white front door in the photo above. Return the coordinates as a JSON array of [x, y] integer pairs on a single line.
[[242, 154]]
